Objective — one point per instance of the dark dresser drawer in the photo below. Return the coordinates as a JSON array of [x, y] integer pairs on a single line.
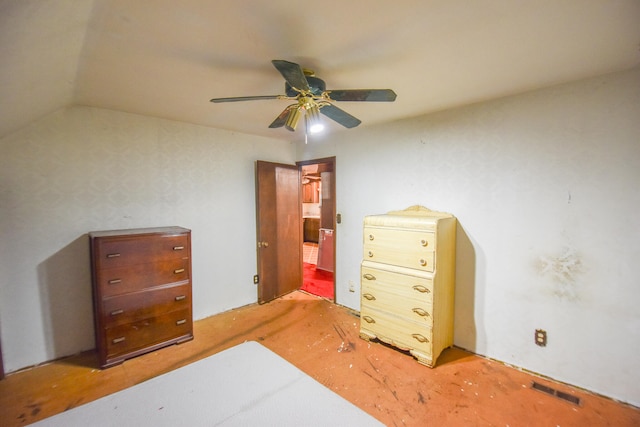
[[141, 305], [144, 333], [121, 280], [132, 250]]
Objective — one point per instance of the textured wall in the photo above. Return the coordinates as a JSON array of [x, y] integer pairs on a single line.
[[545, 188], [85, 169]]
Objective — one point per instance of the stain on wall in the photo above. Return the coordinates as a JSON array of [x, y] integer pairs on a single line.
[[562, 272]]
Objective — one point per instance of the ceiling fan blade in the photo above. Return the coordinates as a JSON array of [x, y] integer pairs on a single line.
[[281, 119], [370, 95], [292, 73], [339, 115], [245, 98]]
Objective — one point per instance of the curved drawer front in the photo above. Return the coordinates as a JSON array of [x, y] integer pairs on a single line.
[[401, 333], [409, 297], [144, 333], [130, 250], [407, 248], [140, 305], [116, 281]]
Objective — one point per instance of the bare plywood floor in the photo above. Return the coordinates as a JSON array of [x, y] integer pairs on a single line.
[[321, 338]]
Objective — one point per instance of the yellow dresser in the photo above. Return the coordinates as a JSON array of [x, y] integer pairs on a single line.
[[407, 281]]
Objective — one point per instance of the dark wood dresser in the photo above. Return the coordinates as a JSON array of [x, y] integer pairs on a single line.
[[141, 290]]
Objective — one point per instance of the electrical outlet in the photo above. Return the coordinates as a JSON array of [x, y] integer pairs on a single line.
[[255, 279], [541, 337], [352, 286]]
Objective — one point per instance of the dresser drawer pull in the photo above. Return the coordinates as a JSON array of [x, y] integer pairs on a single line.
[[114, 281], [181, 322], [117, 340], [180, 297], [423, 262], [116, 312], [424, 242], [420, 338], [178, 248], [371, 237], [370, 254], [368, 319], [178, 271], [421, 289], [369, 276], [369, 297], [113, 255], [420, 312]]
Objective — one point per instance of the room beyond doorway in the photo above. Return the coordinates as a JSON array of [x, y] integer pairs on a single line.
[[317, 181], [315, 281]]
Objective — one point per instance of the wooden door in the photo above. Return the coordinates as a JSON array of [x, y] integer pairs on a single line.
[[279, 229]]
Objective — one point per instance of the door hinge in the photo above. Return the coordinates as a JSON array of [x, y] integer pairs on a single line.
[[256, 279]]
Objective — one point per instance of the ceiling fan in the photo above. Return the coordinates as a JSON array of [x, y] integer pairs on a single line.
[[311, 97]]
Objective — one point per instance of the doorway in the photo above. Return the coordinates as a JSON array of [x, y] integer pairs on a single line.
[[318, 207], [280, 229]]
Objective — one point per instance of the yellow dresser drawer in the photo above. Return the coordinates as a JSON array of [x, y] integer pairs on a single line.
[[408, 248], [400, 294], [399, 332]]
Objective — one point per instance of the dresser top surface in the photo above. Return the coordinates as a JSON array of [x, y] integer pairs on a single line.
[[140, 231]]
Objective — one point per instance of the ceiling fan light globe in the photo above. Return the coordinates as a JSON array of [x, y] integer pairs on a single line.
[[316, 128]]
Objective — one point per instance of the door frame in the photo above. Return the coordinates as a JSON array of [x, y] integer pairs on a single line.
[[332, 188], [1, 362]]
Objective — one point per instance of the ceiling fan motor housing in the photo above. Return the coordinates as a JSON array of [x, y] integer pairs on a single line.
[[316, 86]]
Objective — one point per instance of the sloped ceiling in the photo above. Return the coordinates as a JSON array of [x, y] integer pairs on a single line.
[[167, 58]]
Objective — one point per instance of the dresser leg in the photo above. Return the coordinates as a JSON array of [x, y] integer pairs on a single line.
[[367, 336], [422, 358]]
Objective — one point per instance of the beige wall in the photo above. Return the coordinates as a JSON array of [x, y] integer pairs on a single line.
[[545, 186], [84, 169]]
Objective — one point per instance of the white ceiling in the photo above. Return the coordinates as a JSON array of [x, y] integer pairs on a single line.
[[167, 58]]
